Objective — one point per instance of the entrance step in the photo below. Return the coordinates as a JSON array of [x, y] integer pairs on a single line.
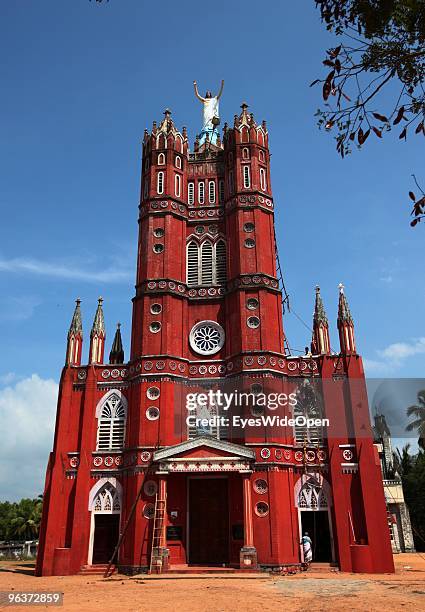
[[208, 569], [97, 569], [323, 567], [235, 575]]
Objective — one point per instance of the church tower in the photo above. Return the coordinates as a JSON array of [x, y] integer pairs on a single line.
[[185, 483]]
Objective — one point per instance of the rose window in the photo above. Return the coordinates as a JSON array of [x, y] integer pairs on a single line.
[[206, 337]]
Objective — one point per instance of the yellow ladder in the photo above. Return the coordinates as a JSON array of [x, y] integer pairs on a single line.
[[158, 534]]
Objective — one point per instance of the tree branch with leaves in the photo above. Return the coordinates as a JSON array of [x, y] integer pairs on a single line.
[[382, 48]]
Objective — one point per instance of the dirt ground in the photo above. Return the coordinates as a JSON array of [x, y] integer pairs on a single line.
[[312, 591]]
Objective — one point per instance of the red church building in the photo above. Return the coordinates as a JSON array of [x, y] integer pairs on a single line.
[[207, 314]]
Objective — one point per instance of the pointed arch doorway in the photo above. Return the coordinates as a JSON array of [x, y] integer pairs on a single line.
[[313, 499], [105, 503]]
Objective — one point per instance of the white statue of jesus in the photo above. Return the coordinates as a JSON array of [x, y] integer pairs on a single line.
[[210, 107]]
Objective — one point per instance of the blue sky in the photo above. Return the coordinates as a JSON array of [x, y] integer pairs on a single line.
[[81, 82]]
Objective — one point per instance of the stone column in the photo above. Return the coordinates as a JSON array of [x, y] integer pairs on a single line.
[[248, 553]]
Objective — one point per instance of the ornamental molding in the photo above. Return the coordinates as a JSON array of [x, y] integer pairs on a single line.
[[179, 288], [233, 449], [207, 464]]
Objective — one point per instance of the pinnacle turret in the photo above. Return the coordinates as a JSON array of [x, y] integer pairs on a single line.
[[344, 314], [99, 321], [320, 344], [75, 337], [76, 323], [345, 324], [97, 335], [319, 309], [116, 356]]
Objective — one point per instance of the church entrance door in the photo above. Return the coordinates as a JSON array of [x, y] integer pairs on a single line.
[[106, 533], [316, 524], [208, 521]]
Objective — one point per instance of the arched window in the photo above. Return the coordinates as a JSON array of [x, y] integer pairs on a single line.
[[177, 185], [111, 426], [107, 501], [178, 162], [192, 263], [312, 492], [261, 156], [191, 193], [146, 188], [160, 183], [207, 263], [261, 137], [161, 143], [179, 146], [161, 159], [220, 262], [231, 182], [245, 153], [221, 190], [309, 406], [246, 177], [263, 180], [211, 192], [201, 192]]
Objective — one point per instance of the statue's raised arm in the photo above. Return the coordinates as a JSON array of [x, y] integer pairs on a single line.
[[195, 85], [221, 90]]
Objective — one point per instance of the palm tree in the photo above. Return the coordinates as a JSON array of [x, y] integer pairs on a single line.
[[25, 524], [418, 411], [402, 461]]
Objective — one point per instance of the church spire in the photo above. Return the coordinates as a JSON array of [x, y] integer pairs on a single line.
[[75, 337], [320, 344], [116, 356], [97, 335], [345, 324]]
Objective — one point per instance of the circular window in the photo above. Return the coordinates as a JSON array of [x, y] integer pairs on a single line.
[[152, 413], [155, 326], [148, 511], [249, 227], [150, 488], [158, 248], [261, 509], [153, 393], [206, 337], [158, 232], [250, 243], [253, 322], [252, 303], [261, 486], [199, 229], [213, 229], [156, 308]]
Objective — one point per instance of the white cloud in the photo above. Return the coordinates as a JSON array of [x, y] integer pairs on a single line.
[[399, 351], [71, 271], [27, 417], [394, 356]]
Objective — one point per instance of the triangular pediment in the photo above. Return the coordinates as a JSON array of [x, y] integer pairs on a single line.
[[204, 448]]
